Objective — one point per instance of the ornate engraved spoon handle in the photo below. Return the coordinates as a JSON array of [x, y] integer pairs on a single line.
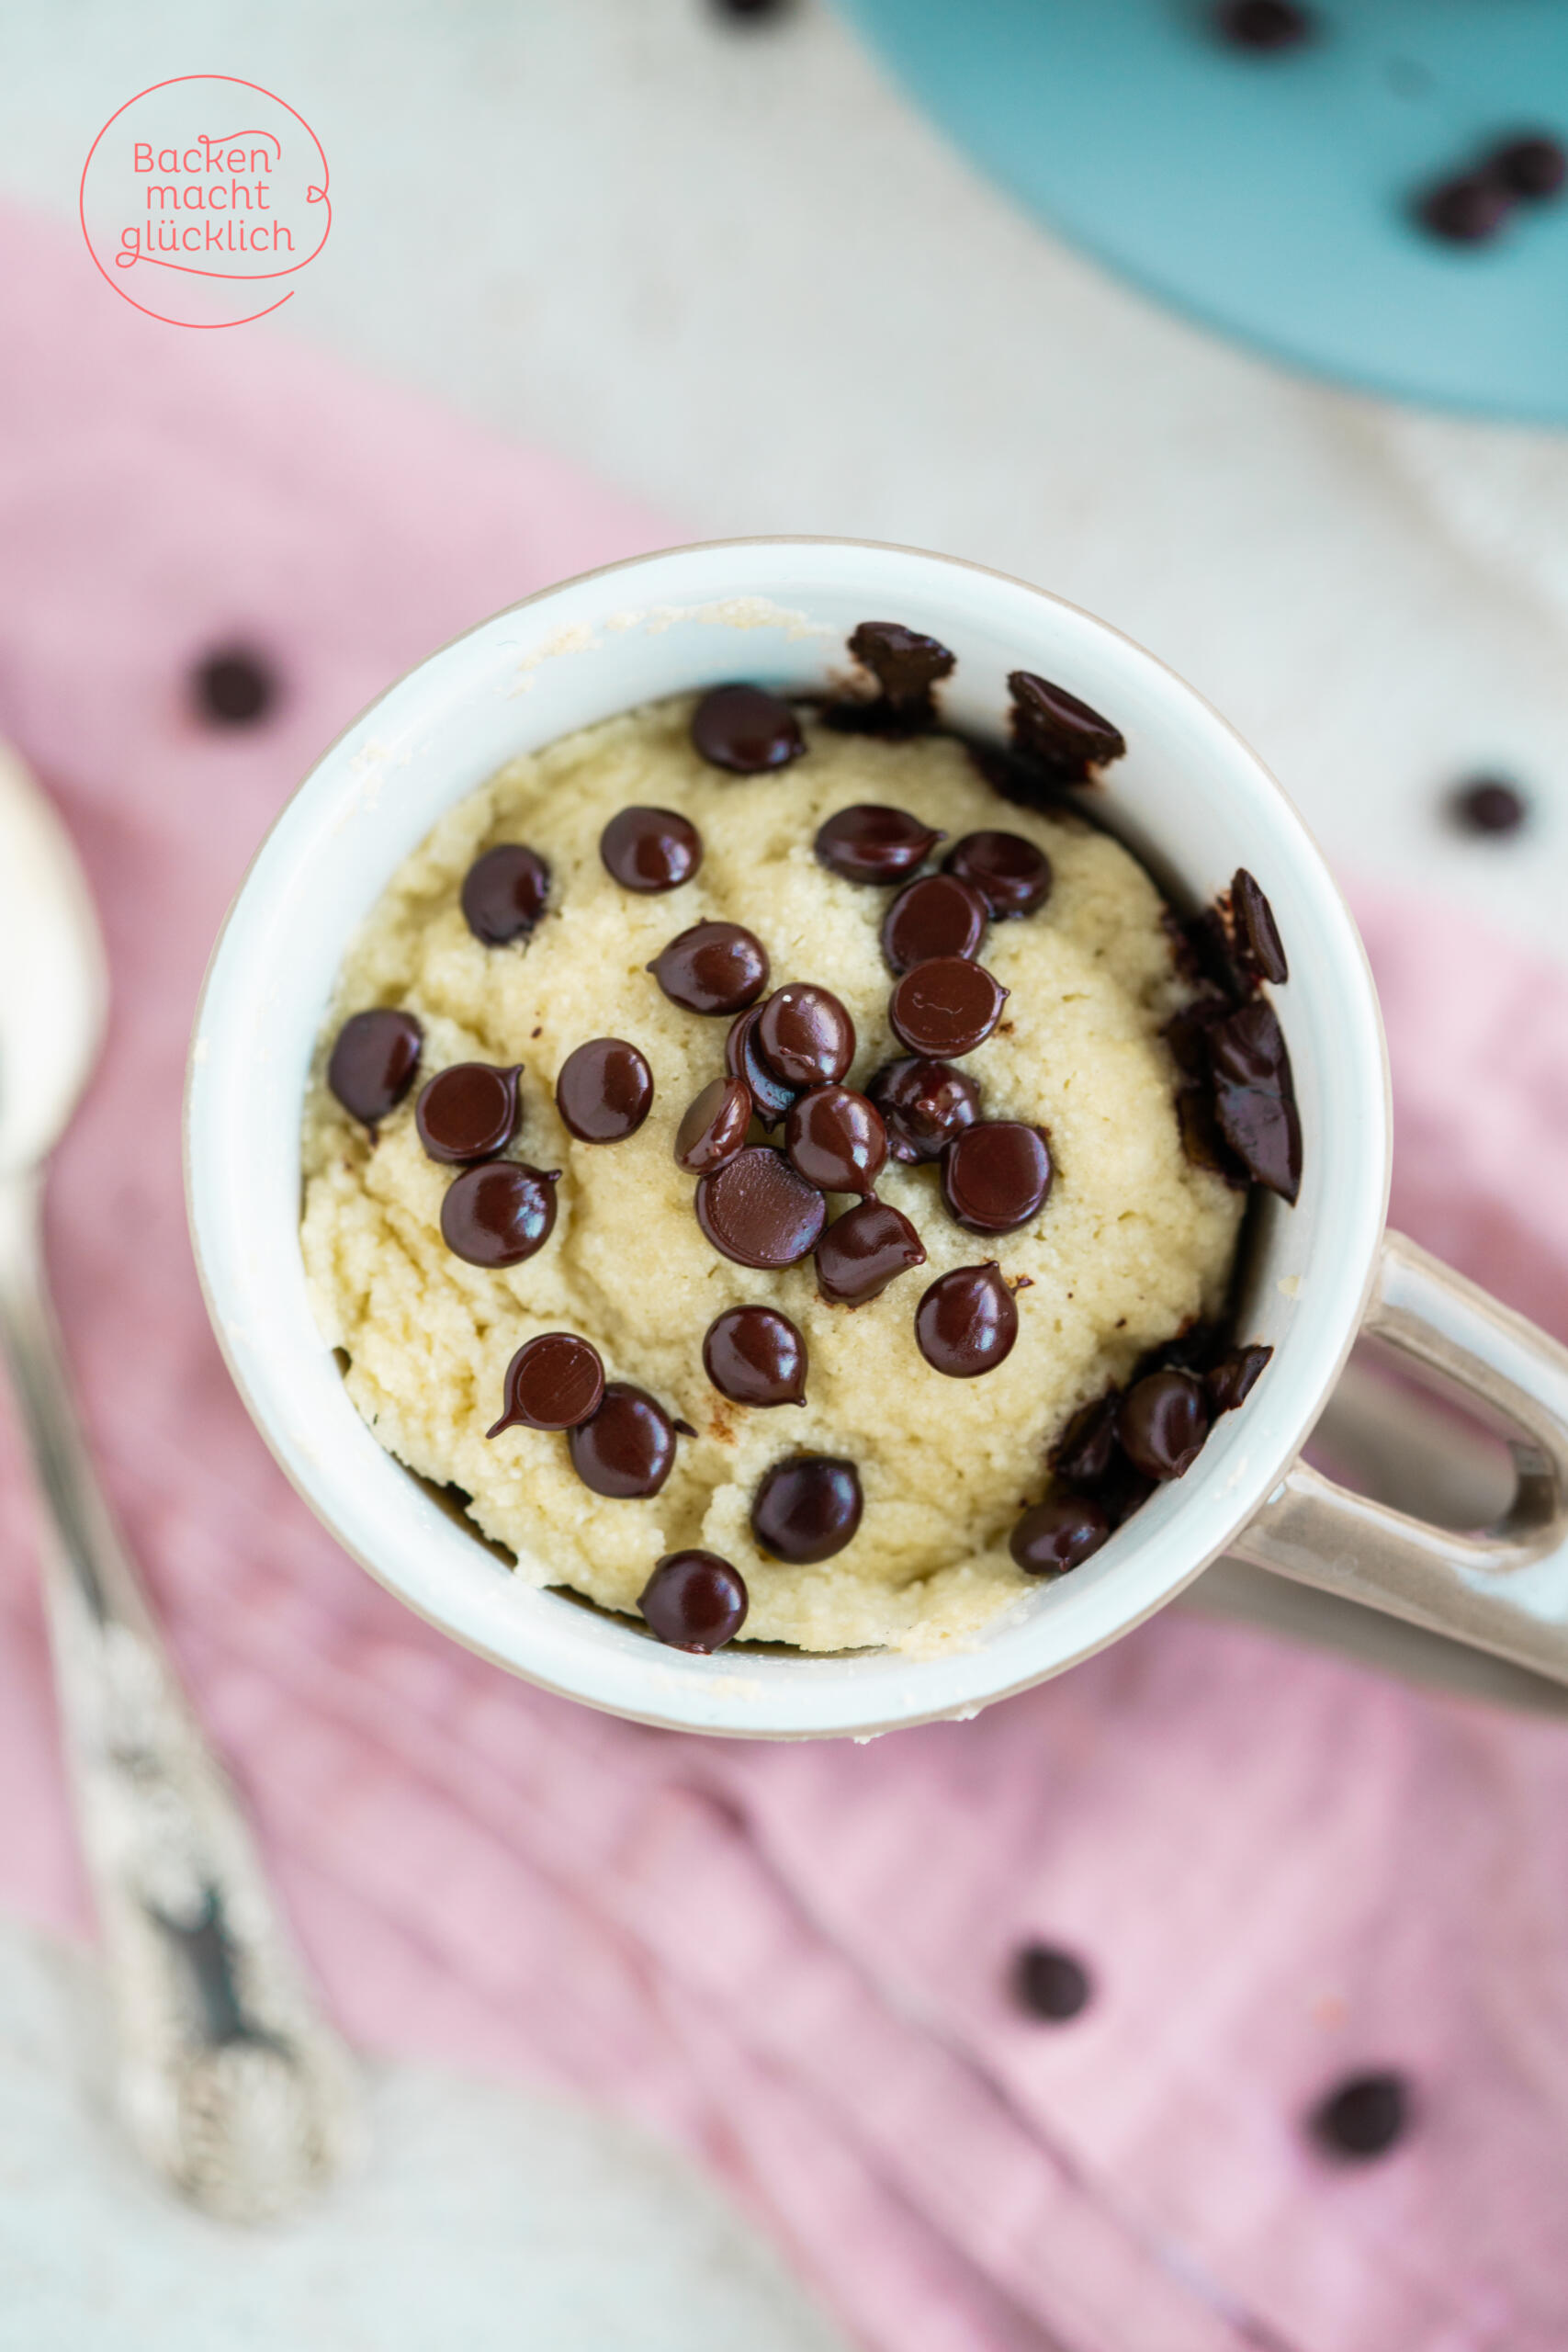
[[228, 2079]]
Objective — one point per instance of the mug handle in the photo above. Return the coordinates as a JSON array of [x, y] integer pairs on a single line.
[[1505, 1590]]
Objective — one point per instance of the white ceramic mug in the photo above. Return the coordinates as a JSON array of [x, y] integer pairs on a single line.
[[1195, 803]]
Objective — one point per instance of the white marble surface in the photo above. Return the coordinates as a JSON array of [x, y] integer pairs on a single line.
[[731, 269], [481, 2221]]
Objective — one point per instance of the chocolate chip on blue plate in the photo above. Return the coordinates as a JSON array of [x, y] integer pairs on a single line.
[[694, 1600], [1531, 167], [1265, 25], [1468, 209], [373, 1062], [1050, 1983], [746, 731], [1364, 2116], [233, 686], [807, 1508], [503, 893]]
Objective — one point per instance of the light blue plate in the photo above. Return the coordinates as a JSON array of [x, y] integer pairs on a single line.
[[1266, 193]]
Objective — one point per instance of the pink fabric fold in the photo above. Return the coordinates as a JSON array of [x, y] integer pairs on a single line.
[[1278, 1869]]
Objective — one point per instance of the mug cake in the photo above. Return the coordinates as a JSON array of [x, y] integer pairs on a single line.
[[781, 1164]]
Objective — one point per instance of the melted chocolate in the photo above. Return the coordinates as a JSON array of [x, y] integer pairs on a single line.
[[945, 1008], [924, 1105], [905, 664], [1061, 736]]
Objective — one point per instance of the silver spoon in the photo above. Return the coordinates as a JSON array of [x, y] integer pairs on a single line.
[[228, 2080]]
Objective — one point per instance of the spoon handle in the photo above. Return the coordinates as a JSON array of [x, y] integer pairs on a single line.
[[228, 2079]]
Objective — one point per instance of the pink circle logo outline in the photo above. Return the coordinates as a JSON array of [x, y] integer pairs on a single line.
[[214, 154]]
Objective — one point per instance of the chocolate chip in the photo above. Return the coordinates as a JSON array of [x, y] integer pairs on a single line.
[[1256, 934], [468, 1111], [714, 1129], [499, 1213], [753, 1355], [753, 12], [806, 1035], [233, 686], [1011, 876], [1364, 2117], [1187, 1033], [373, 1063], [807, 1508], [650, 850], [968, 1322], [625, 1449], [1060, 733], [1487, 804], [864, 1250], [1231, 1381], [1084, 1450], [713, 968], [868, 843], [1261, 1126], [997, 1175], [503, 893], [1264, 24], [743, 1060], [1248, 1045], [604, 1090], [937, 915], [746, 731], [905, 664], [1465, 210], [1059, 1534], [836, 1139], [1201, 1137], [694, 1600], [1532, 167], [945, 1008], [1162, 1422], [552, 1383], [757, 1211], [1050, 1983], [924, 1105]]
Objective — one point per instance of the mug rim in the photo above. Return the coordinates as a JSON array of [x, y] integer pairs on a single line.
[[662, 1688]]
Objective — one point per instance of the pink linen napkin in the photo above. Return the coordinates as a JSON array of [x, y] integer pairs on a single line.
[[1278, 1869]]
